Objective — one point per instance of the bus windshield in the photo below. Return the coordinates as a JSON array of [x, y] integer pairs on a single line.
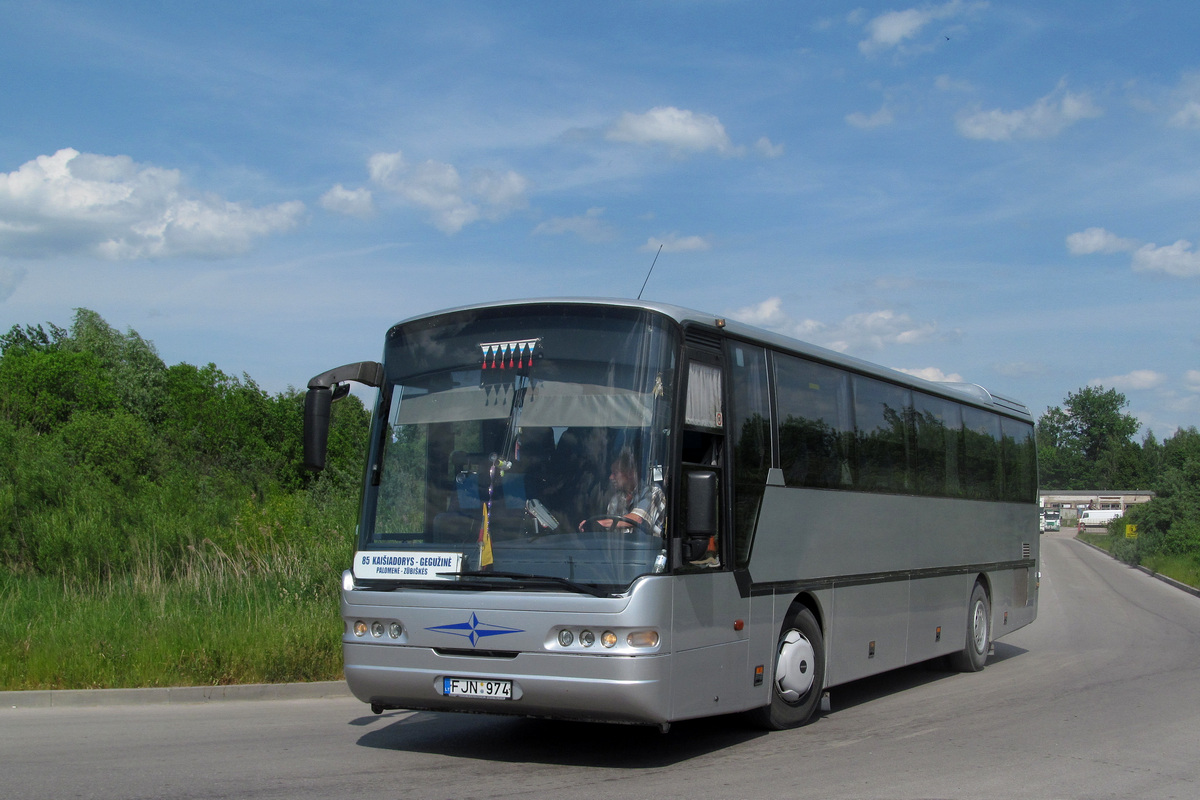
[[521, 448]]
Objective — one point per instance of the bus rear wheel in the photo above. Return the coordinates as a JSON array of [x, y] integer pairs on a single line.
[[979, 628], [799, 675]]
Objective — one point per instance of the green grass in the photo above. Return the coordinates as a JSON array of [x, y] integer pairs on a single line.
[[1184, 568], [1101, 540], [219, 619]]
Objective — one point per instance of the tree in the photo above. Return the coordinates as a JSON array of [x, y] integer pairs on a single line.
[[43, 387], [1088, 444], [1170, 523], [137, 373], [111, 462]]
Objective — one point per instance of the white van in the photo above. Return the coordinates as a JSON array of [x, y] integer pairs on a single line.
[[1103, 517]]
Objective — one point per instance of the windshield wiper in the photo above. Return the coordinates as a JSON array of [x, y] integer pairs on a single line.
[[582, 588]]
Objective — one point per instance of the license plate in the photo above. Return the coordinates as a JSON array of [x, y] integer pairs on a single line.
[[477, 687]]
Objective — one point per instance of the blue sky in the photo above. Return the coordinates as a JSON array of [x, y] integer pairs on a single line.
[[1006, 193]]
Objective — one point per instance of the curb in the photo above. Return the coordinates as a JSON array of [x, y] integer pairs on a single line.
[[170, 695], [1183, 587]]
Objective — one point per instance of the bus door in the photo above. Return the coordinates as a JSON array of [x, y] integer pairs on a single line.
[[710, 650]]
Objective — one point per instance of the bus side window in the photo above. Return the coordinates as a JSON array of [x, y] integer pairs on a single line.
[[703, 440], [750, 440], [815, 428]]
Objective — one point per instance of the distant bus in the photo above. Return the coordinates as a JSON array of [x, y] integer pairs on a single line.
[[630, 512]]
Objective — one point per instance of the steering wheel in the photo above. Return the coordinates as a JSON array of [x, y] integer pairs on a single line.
[[592, 524]]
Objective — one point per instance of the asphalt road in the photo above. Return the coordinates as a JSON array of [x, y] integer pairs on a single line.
[[1098, 698]]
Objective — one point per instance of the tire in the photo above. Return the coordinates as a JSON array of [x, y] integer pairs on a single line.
[[798, 675], [979, 629]]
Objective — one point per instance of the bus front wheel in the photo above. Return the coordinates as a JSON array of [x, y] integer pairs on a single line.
[[799, 675], [979, 624]]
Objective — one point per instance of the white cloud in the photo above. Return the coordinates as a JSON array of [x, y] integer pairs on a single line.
[[1188, 115], [115, 208], [674, 243], [1191, 380], [588, 226], [767, 149], [1098, 240], [1177, 259], [354, 202], [867, 121], [501, 192], [892, 28], [1048, 117], [437, 187], [385, 169], [767, 314], [1138, 379], [933, 374], [869, 331], [679, 130]]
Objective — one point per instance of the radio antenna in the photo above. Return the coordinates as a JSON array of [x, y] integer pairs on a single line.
[[652, 263]]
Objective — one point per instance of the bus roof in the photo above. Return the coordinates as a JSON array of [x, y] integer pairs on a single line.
[[964, 392]]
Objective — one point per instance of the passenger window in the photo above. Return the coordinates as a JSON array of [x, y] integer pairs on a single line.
[[814, 423], [938, 424], [881, 419], [1020, 461], [981, 454]]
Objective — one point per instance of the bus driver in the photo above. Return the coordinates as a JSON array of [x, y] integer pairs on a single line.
[[632, 505]]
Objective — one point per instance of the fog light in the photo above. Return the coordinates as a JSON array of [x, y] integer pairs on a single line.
[[608, 639], [643, 639], [565, 638], [587, 638], [360, 628], [395, 629], [377, 629]]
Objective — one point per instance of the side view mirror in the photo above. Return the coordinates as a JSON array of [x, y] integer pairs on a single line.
[[701, 512], [322, 391]]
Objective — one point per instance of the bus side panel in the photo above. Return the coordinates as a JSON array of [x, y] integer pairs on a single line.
[[1014, 600], [938, 625], [870, 547], [868, 631], [710, 672], [812, 534]]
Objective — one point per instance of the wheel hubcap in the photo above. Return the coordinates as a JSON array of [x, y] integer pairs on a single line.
[[979, 627], [796, 667]]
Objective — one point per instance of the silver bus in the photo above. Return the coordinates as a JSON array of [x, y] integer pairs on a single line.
[[629, 512]]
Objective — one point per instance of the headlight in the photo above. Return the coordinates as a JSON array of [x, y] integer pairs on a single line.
[[642, 639], [360, 628], [617, 641]]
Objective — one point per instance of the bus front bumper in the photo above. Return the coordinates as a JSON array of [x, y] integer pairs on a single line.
[[616, 688]]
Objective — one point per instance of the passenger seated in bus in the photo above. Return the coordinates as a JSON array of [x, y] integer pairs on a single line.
[[632, 506]]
